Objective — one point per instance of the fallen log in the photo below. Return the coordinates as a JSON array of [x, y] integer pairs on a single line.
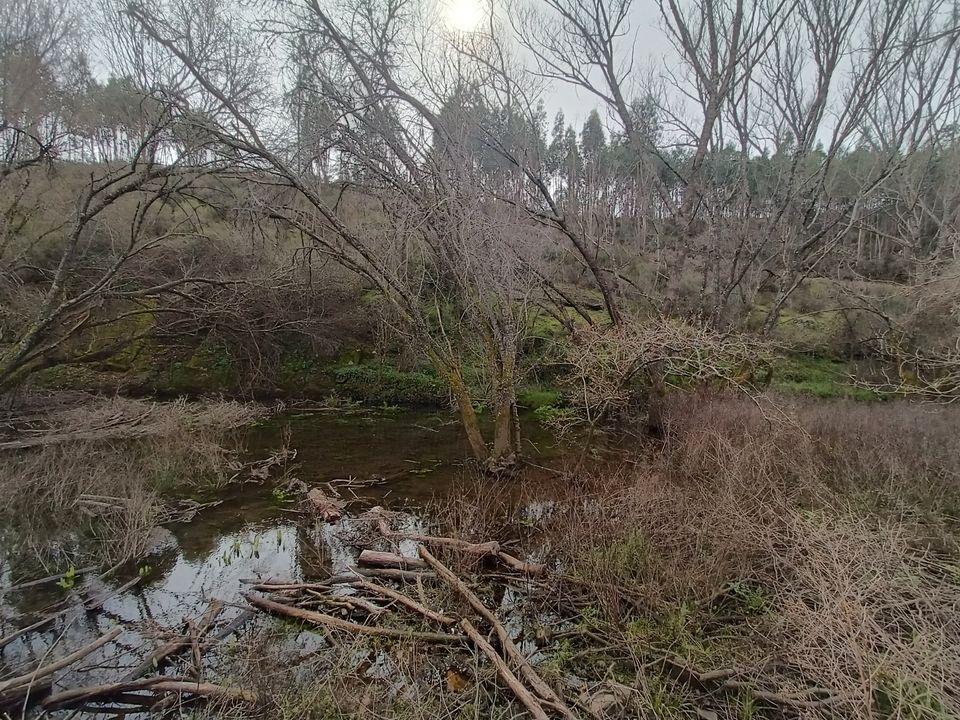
[[45, 670], [513, 682], [404, 576], [347, 626], [407, 602], [377, 559], [481, 549], [509, 647], [160, 684], [330, 509]]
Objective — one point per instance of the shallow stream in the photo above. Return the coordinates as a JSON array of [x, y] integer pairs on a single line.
[[255, 532]]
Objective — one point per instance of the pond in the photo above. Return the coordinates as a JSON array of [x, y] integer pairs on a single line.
[[400, 460]]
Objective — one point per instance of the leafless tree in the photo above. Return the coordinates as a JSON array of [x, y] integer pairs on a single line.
[[446, 259]]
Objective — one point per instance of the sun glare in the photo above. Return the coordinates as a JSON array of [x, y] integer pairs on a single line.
[[464, 15]]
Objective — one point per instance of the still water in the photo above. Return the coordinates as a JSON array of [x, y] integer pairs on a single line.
[[255, 532]]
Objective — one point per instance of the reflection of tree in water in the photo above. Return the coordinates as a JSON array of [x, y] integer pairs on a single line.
[[312, 555]]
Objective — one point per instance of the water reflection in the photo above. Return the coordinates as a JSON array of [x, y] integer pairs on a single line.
[[249, 535]]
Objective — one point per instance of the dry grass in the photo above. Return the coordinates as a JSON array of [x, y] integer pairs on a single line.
[[801, 559], [94, 488]]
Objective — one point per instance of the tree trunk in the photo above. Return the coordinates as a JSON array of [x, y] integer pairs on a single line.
[[468, 415]]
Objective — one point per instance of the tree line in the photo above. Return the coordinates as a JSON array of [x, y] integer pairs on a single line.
[[785, 140]]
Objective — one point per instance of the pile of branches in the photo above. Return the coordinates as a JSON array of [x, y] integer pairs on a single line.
[[359, 601], [142, 689]]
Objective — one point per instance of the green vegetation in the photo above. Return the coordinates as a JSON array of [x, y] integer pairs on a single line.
[[382, 384], [818, 377]]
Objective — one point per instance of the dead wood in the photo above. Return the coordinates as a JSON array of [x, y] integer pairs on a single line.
[[48, 579], [351, 602], [527, 568], [523, 695], [158, 684], [162, 654], [404, 576], [509, 647], [330, 509], [7, 639], [390, 560], [481, 549], [45, 670], [407, 602], [346, 626]]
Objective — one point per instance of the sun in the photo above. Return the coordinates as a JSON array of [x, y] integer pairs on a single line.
[[464, 15]]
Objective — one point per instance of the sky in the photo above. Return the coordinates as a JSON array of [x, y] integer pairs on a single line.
[[645, 38]]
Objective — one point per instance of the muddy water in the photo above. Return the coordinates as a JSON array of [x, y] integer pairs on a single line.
[[254, 533]]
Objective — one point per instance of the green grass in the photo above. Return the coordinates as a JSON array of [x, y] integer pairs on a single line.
[[534, 397], [818, 377], [385, 385]]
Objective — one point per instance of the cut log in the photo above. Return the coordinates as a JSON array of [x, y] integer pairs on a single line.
[[509, 647], [523, 695], [407, 602], [159, 684], [347, 626], [29, 678], [527, 568], [330, 509], [390, 560]]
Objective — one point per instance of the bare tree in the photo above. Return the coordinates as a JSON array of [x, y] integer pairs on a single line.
[[447, 261]]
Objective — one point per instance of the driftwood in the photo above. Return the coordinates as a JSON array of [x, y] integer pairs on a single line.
[[29, 678], [523, 695], [390, 560], [509, 647], [407, 602], [347, 626], [162, 654], [159, 684], [330, 509]]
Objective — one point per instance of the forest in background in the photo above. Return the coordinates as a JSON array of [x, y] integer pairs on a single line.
[[309, 186]]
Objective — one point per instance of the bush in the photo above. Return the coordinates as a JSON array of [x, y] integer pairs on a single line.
[[383, 384]]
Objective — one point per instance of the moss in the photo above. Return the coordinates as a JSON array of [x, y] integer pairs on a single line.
[[210, 368], [385, 385], [817, 376]]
